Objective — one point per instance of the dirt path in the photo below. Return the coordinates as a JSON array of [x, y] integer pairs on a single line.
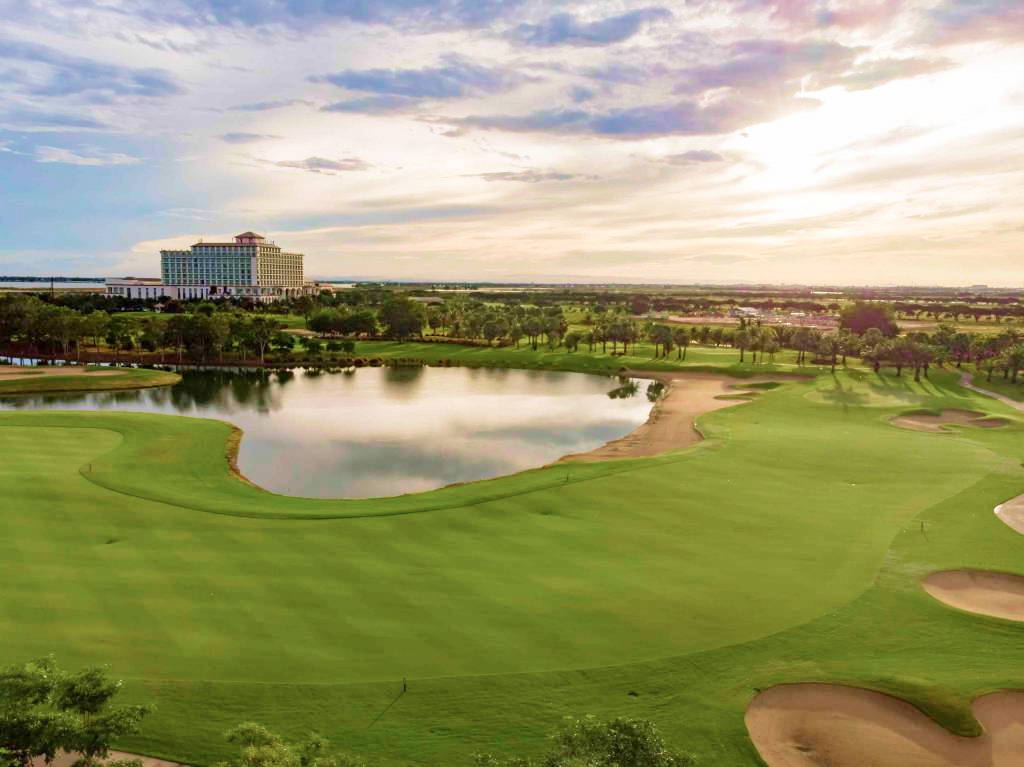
[[671, 424], [23, 372], [811, 725], [65, 759], [967, 382]]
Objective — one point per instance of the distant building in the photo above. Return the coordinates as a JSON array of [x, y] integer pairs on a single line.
[[744, 311], [250, 267], [136, 287]]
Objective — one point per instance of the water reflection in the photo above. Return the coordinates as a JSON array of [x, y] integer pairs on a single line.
[[385, 431]]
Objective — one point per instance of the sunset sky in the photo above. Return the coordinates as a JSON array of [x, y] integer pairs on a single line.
[[782, 141]]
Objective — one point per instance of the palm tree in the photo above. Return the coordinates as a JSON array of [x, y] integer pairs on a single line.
[[741, 340], [681, 337]]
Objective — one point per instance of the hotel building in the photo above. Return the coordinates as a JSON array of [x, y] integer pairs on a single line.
[[250, 267]]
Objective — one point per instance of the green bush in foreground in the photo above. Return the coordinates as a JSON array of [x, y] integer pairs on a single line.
[[589, 742], [44, 711], [262, 748]]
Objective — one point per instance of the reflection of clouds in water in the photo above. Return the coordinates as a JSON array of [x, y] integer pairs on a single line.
[[363, 470], [384, 431]]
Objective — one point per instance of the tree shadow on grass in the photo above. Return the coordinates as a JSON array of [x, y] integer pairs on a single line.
[[844, 397]]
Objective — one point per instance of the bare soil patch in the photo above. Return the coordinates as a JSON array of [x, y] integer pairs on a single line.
[[16, 372], [671, 424], [813, 725], [979, 591], [64, 759], [938, 422]]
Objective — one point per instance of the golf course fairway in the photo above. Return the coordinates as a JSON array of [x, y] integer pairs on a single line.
[[787, 547]]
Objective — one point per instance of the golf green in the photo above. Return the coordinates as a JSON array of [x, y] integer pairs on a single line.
[[786, 547]]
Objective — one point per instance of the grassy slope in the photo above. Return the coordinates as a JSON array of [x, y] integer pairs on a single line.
[[95, 380], [747, 561]]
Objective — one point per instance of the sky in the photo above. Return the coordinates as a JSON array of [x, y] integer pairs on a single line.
[[769, 141]]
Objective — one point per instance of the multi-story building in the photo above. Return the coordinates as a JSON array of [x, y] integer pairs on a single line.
[[250, 267]]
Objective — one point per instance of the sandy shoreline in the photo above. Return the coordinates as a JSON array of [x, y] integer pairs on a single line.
[[672, 422], [26, 372]]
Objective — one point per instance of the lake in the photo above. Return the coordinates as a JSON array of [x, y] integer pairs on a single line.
[[387, 431]]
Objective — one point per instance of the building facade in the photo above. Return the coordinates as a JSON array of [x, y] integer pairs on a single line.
[[251, 267]]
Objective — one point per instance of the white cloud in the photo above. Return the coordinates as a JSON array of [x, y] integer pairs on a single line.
[[93, 157]]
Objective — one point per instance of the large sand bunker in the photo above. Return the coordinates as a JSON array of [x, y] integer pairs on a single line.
[[1000, 595], [822, 725], [937, 422], [24, 372], [671, 424]]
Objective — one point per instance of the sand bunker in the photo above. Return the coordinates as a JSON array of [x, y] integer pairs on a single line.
[[938, 423], [822, 725], [65, 759], [670, 425], [979, 591], [1012, 513], [24, 372]]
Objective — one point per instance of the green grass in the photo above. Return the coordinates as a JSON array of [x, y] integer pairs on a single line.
[[97, 378], [699, 358], [786, 547]]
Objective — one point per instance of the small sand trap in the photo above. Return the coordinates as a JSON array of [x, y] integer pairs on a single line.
[[25, 372], [938, 423], [670, 425], [1012, 513], [1000, 595], [823, 725]]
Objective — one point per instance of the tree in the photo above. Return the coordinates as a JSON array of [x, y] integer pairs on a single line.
[[401, 318], [741, 340], [262, 330], [831, 346], [861, 315], [44, 710], [681, 337], [589, 742], [1012, 361]]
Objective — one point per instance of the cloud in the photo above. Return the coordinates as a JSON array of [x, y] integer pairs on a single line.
[[416, 15], [264, 106], [822, 15], [245, 138], [964, 20], [765, 64], [456, 77], [373, 105], [681, 118], [323, 165], [694, 156], [566, 29], [47, 154], [78, 76], [580, 94], [32, 120], [528, 176], [881, 71]]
